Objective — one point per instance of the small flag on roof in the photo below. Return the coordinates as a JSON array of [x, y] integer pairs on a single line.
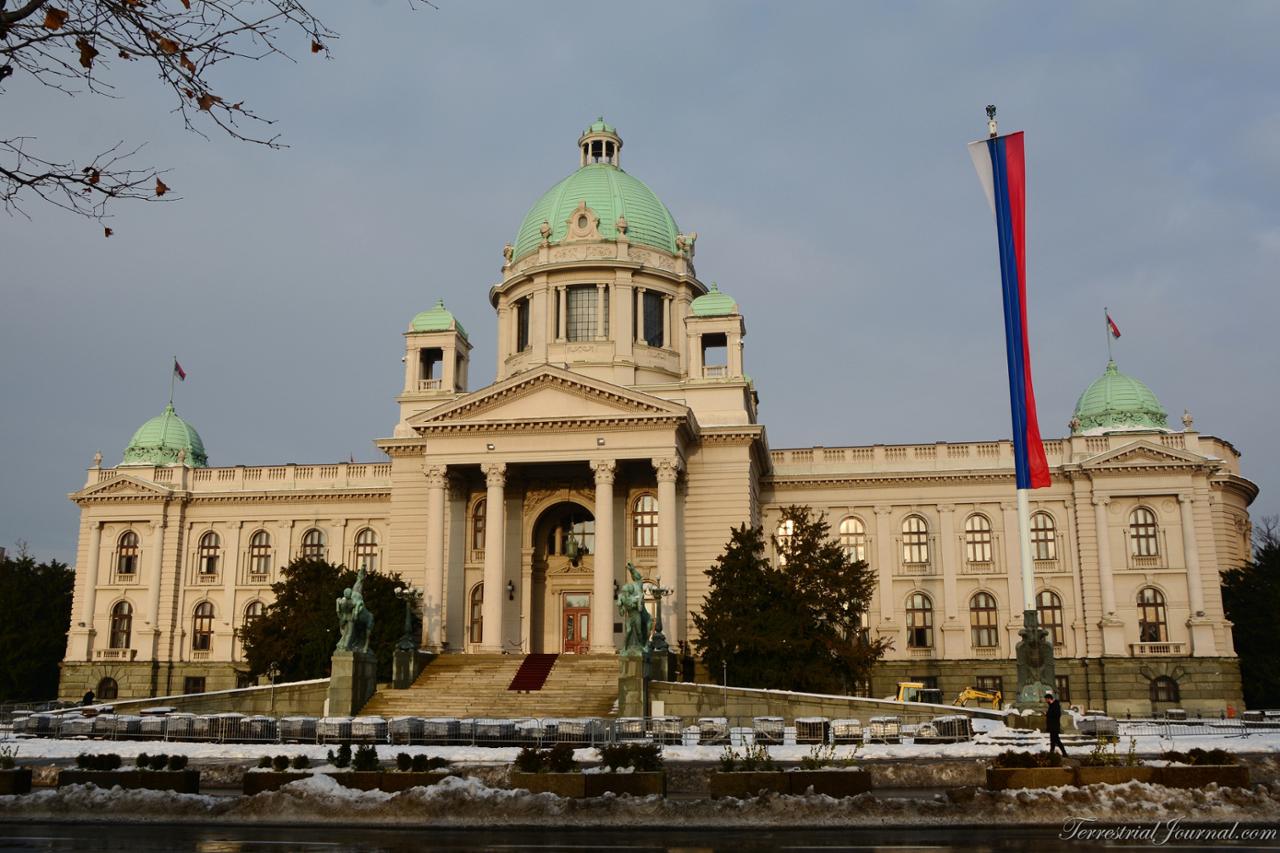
[[182, 374]]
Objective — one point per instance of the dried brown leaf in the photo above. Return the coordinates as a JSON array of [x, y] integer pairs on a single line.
[[87, 52], [54, 18], [161, 187], [316, 46], [107, 232], [167, 46], [186, 63]]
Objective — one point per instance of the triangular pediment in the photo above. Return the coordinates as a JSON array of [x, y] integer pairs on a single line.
[[546, 394], [1143, 454], [121, 486]]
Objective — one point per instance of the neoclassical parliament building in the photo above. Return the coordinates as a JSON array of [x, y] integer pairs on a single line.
[[622, 427]]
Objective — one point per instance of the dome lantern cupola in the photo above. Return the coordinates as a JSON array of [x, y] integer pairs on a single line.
[[599, 143], [166, 440], [1116, 402]]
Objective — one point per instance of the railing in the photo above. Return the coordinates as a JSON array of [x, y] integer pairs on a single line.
[[115, 654], [1145, 650], [715, 371], [913, 568], [987, 652], [430, 384], [1157, 560], [979, 567], [309, 477]]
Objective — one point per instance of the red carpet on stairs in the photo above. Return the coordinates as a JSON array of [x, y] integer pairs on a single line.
[[533, 673]]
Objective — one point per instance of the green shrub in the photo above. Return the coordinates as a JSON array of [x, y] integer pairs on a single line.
[[530, 760], [557, 759], [404, 762], [1010, 760], [729, 759], [158, 762], [300, 762], [280, 763], [142, 761], [264, 763], [176, 763], [104, 762], [1200, 757], [343, 756], [642, 757], [756, 757], [425, 764], [8, 757], [824, 755], [560, 759], [366, 759]]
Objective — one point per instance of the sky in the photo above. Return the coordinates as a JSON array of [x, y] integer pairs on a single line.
[[818, 149]]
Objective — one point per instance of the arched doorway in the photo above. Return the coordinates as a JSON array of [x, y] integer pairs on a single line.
[[563, 560]]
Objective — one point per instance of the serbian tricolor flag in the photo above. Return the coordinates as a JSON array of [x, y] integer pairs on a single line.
[[1112, 327], [1002, 170], [178, 371]]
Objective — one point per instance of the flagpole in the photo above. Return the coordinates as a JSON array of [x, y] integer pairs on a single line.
[[1106, 328], [173, 371]]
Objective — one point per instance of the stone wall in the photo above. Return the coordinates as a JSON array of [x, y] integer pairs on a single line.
[[143, 679], [301, 698], [709, 700]]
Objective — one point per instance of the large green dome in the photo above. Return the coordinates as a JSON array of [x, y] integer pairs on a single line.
[[1116, 402], [158, 441], [611, 193]]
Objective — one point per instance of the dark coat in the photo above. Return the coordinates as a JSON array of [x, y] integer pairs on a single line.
[[1053, 718]]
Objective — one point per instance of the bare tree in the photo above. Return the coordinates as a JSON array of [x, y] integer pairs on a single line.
[[70, 45]]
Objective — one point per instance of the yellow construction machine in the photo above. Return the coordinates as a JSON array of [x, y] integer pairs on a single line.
[[982, 698]]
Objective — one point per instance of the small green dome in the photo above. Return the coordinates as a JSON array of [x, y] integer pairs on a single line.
[[438, 319], [159, 440], [713, 303], [599, 126], [1116, 402]]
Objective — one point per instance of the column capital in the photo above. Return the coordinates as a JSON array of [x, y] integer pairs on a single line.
[[883, 510], [1101, 500], [159, 524], [436, 475], [948, 508], [495, 474], [667, 469], [605, 470], [1186, 499]]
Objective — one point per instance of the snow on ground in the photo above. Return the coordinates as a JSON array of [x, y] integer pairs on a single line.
[[461, 802]]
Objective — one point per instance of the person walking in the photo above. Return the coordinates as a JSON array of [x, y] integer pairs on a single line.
[[1053, 722]]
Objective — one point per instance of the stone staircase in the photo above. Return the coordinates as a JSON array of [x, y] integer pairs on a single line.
[[464, 686]]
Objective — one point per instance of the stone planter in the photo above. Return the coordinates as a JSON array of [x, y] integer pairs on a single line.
[[385, 780], [180, 781], [257, 781], [1004, 778], [1197, 776], [749, 783], [1114, 775], [578, 785], [15, 781]]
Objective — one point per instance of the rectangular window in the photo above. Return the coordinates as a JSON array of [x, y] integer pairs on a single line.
[[651, 320], [430, 368], [990, 682], [715, 355], [928, 682], [1062, 684], [522, 325], [580, 305], [193, 684]]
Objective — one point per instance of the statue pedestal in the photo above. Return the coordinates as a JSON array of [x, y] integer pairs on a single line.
[[631, 698], [353, 680], [1035, 664]]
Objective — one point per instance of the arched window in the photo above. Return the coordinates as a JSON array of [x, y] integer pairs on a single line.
[[1049, 613], [1152, 625], [1164, 689], [1044, 540], [367, 550], [983, 619], [479, 516], [786, 530], [260, 553], [477, 613], [121, 625], [919, 621], [1144, 533], [977, 539], [915, 540], [313, 544], [253, 611], [107, 690], [210, 547], [853, 539], [645, 524], [202, 627], [127, 553]]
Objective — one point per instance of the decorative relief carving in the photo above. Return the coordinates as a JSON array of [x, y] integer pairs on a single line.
[[436, 475], [582, 224], [605, 470], [668, 469], [642, 256], [495, 474], [601, 252]]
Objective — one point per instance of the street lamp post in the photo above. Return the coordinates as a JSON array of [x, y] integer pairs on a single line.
[[273, 672]]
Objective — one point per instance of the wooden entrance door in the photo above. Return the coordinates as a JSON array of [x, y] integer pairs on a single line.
[[575, 623]]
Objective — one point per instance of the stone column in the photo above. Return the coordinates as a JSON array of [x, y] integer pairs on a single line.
[[1013, 563], [600, 312], [953, 629], [91, 586], [561, 314], [1201, 628], [1112, 627], [433, 598], [495, 540], [884, 562], [157, 574], [667, 324], [668, 471], [638, 327], [602, 587]]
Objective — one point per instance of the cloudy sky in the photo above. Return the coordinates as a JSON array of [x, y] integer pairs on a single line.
[[817, 149]]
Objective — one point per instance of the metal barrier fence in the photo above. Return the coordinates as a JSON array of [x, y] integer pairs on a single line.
[[1176, 728]]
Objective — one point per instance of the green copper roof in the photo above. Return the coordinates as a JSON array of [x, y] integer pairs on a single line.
[[611, 193], [438, 319], [1116, 402], [599, 126], [158, 441], [713, 303]]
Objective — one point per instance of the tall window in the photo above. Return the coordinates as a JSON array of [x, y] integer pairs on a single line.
[[786, 530], [121, 625], [260, 553], [580, 308], [919, 621], [651, 331], [1164, 689], [1144, 533], [367, 550], [127, 553], [478, 517], [982, 620], [252, 612], [1044, 542], [107, 690], [313, 544], [853, 539], [202, 627], [990, 682], [646, 522], [522, 325], [1062, 683], [915, 540], [1049, 612], [977, 539], [477, 613], [210, 546], [1152, 627]]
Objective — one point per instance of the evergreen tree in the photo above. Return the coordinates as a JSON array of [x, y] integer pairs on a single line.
[[299, 630], [1251, 599], [794, 626], [35, 613]]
